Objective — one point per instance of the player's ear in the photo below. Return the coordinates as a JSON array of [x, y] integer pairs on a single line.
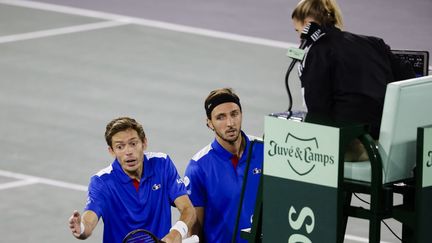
[[144, 144], [209, 124], [111, 151]]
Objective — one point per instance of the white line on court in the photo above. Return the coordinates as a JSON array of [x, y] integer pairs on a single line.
[[18, 183], [34, 179], [60, 31], [149, 23]]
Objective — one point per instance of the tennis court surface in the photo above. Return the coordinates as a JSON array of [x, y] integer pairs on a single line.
[[67, 71]]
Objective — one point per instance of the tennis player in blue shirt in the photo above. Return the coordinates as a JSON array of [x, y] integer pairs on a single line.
[[135, 192], [214, 176]]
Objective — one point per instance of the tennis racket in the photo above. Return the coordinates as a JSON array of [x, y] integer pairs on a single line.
[[141, 236], [145, 236]]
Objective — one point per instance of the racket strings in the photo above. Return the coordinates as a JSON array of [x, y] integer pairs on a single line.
[[141, 237]]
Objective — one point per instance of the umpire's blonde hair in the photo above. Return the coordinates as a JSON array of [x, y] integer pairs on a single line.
[[324, 12]]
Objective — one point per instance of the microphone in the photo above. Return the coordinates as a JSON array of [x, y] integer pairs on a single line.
[[310, 34]]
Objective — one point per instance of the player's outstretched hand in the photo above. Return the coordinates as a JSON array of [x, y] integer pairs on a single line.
[[75, 224]]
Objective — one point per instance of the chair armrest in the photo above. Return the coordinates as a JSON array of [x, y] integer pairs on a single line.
[[374, 158]]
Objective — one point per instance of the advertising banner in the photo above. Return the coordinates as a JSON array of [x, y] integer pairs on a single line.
[[300, 181]]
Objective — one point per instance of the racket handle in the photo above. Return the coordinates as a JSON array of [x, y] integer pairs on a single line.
[[192, 239]]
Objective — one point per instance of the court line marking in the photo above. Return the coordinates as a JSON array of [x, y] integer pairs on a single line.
[[29, 180], [34, 179], [19, 183], [150, 23], [60, 31]]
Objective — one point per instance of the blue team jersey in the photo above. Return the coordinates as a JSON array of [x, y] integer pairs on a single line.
[[214, 184], [112, 196]]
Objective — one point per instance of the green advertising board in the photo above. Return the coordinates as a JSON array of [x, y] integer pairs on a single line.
[[424, 187], [300, 187], [427, 157]]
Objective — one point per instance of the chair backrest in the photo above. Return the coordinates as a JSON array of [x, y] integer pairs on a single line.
[[407, 106]]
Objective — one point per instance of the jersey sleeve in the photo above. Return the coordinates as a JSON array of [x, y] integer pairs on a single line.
[[95, 196], [195, 184], [174, 181]]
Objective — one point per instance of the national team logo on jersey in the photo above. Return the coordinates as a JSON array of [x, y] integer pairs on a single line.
[[156, 187], [256, 171], [186, 181]]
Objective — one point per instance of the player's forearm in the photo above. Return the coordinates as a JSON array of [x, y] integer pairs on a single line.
[[89, 221], [197, 227], [188, 216]]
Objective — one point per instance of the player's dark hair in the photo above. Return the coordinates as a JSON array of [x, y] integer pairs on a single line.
[[122, 124], [219, 96]]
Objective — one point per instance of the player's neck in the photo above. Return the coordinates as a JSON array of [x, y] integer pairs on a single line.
[[236, 147], [136, 174]]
